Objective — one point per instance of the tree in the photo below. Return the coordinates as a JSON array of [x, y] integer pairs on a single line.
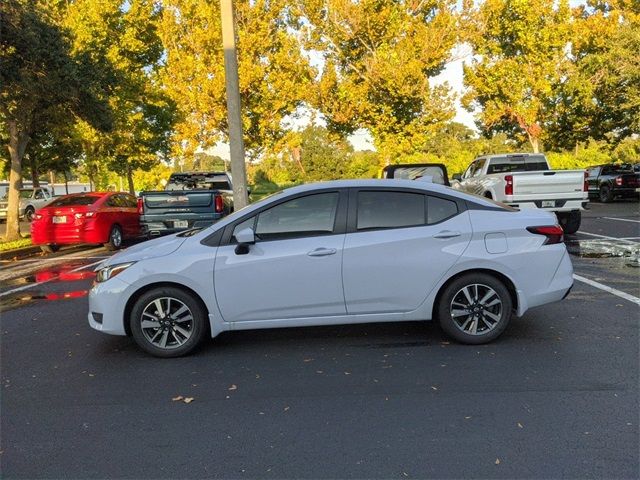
[[126, 37], [378, 58], [519, 61], [274, 75], [600, 96], [39, 78]]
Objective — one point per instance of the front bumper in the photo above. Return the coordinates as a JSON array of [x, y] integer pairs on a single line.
[[108, 300]]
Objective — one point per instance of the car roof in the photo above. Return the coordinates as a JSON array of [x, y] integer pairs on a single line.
[[371, 183]]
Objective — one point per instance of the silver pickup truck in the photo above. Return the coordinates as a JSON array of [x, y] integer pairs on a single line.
[[525, 180], [31, 199]]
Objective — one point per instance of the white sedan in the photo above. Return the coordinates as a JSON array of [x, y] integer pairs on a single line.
[[341, 252]]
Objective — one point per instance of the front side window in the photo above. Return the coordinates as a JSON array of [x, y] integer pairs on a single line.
[[381, 209], [303, 216]]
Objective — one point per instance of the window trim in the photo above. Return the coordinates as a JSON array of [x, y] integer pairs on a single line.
[[352, 216], [339, 225]]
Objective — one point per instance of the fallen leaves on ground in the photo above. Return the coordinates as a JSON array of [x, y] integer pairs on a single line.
[[233, 387]]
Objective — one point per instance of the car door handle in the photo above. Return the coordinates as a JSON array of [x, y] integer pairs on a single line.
[[322, 252], [447, 234]]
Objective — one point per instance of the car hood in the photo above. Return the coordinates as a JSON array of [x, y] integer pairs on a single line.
[[158, 247]]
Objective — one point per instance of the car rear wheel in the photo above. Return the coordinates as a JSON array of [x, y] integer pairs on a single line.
[[28, 214], [50, 248], [605, 194], [168, 322], [475, 308], [115, 238]]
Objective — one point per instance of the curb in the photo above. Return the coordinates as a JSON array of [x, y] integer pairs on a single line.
[[19, 253]]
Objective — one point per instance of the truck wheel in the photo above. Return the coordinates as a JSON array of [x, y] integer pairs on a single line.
[[115, 239], [29, 213], [605, 194], [50, 248], [569, 221]]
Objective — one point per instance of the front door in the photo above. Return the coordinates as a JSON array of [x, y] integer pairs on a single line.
[[294, 268]]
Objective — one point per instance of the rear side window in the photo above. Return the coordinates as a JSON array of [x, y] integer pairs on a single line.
[[75, 200], [303, 216], [440, 209], [390, 210]]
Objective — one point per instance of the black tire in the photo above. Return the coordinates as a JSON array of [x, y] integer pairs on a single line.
[[570, 221], [144, 336], [115, 238], [28, 214], [50, 248], [488, 195], [483, 333], [605, 194]]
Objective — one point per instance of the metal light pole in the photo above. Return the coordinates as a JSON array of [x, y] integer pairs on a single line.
[[238, 167]]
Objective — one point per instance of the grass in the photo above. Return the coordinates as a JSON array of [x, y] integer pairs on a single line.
[[23, 242]]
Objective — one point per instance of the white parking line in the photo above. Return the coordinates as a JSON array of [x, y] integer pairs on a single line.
[[622, 219], [607, 237], [608, 289], [31, 285]]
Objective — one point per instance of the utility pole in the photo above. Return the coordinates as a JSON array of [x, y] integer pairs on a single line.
[[238, 167]]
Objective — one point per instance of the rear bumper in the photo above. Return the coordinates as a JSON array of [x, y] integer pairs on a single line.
[[567, 205], [156, 228], [66, 236], [558, 288]]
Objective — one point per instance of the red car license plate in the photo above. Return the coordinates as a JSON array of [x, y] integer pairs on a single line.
[[60, 219]]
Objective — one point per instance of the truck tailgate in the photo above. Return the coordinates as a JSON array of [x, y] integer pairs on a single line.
[[551, 184], [178, 205]]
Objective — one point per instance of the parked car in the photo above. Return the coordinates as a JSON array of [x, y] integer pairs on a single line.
[[525, 180], [610, 181], [107, 218], [338, 252], [31, 199], [437, 172], [190, 200]]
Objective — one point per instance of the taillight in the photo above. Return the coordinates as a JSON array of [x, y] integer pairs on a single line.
[[585, 187], [219, 203], [140, 206], [618, 181], [554, 233], [85, 214], [508, 187]]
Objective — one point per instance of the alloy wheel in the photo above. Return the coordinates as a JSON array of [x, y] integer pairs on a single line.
[[476, 309], [116, 237], [167, 323]]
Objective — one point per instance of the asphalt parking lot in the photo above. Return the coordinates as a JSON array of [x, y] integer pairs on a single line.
[[556, 396]]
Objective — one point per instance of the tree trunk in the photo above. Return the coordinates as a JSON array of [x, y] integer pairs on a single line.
[[33, 163], [132, 189], [66, 183], [535, 143], [17, 144], [52, 180]]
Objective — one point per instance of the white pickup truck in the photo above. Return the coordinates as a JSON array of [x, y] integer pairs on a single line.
[[524, 180], [31, 199]]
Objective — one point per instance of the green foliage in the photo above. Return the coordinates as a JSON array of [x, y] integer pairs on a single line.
[[379, 56], [520, 60]]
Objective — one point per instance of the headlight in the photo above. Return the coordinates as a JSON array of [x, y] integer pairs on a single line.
[[111, 271]]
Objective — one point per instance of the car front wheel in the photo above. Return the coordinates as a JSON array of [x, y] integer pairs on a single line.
[[475, 308], [168, 322]]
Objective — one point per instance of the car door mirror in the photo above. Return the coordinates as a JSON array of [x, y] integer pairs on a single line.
[[457, 176], [244, 238]]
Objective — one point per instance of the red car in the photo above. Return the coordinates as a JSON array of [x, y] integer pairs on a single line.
[[95, 217]]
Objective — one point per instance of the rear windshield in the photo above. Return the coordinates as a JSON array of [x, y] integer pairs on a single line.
[[619, 168], [198, 182], [530, 163], [75, 200]]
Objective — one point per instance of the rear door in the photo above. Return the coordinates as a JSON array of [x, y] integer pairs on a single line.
[[399, 244], [294, 268], [129, 215]]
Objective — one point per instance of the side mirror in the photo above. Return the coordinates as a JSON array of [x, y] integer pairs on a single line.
[[245, 238], [457, 176]]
